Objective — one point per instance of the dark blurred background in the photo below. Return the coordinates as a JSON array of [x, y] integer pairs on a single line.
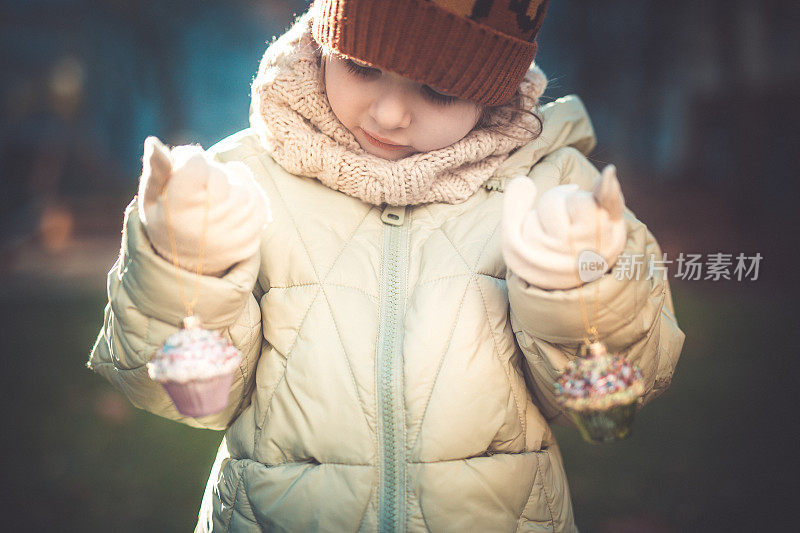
[[695, 102]]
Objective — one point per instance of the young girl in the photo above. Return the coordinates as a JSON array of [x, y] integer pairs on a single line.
[[403, 317]]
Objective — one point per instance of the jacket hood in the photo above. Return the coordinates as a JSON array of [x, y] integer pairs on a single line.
[[565, 123]]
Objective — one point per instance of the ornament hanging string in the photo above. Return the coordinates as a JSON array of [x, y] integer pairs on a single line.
[[592, 335], [190, 320]]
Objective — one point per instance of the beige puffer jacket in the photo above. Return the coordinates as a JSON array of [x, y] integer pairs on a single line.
[[395, 375]]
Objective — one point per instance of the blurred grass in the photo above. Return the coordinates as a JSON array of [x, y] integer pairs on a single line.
[[81, 457], [711, 453], [703, 457]]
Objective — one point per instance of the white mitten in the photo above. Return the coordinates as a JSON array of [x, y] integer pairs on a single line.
[[238, 209], [536, 242]]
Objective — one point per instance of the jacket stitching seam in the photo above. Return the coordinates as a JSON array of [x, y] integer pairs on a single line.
[[441, 363], [470, 269], [665, 312], [109, 334], [630, 283], [375, 465], [300, 235], [267, 409], [453, 276], [546, 495], [250, 503], [326, 283], [317, 463], [366, 508], [520, 413], [246, 359], [105, 363], [520, 518], [128, 260], [461, 459], [648, 332], [422, 513], [486, 244], [294, 482], [342, 249], [147, 329], [140, 354], [346, 358], [644, 340], [115, 362], [235, 497], [442, 278]]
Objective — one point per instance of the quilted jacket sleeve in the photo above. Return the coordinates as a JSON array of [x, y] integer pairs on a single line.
[[144, 308], [636, 318]]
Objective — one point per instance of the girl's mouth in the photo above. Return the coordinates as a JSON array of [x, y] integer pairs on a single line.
[[382, 144]]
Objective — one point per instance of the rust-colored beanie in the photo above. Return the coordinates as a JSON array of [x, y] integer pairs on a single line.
[[478, 50]]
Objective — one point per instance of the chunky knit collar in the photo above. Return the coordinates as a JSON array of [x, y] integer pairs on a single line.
[[294, 121]]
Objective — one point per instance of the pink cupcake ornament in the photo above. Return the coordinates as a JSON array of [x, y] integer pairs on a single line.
[[196, 367]]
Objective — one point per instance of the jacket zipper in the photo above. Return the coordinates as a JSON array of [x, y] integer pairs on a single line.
[[391, 422]]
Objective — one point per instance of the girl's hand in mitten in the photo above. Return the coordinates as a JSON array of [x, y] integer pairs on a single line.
[[536, 242], [200, 192]]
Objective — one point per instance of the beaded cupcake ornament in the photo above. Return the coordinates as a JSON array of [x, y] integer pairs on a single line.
[[599, 391]]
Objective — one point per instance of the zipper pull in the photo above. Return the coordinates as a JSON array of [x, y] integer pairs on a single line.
[[394, 215], [493, 184]]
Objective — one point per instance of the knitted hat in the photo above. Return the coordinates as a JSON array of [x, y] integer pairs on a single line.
[[478, 50]]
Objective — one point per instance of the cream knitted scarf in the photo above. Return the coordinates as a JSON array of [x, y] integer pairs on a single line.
[[294, 121]]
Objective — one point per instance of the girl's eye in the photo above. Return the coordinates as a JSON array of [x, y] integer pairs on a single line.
[[435, 96], [359, 70], [429, 93]]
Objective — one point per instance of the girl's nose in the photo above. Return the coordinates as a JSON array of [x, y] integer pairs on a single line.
[[391, 109]]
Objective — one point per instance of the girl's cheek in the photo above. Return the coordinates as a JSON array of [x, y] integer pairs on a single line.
[[337, 95], [344, 93], [450, 127]]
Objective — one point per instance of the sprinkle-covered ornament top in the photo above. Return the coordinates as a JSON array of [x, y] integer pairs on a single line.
[[193, 354], [599, 382]]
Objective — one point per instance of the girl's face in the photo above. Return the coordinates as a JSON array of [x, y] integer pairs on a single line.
[[392, 116]]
